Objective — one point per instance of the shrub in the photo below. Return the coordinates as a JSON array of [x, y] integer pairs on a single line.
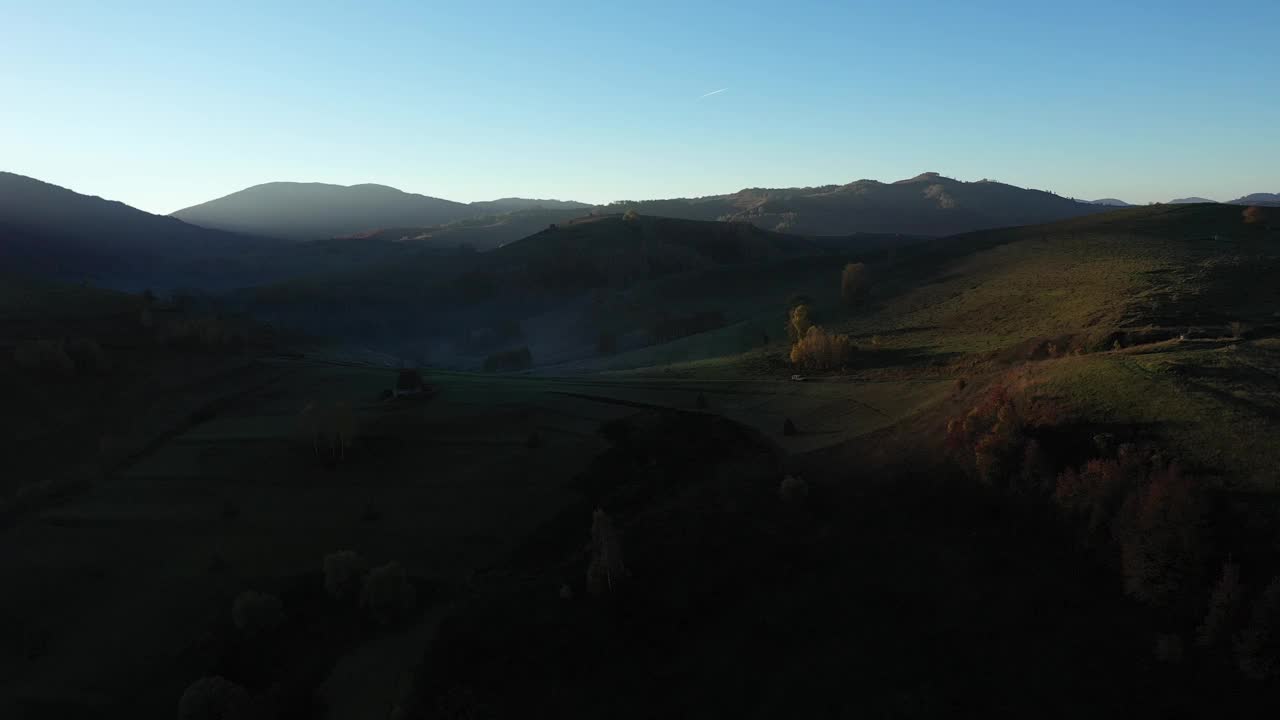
[[822, 350], [631, 216], [1253, 215], [255, 613], [606, 567], [344, 573], [853, 284], [793, 489], [388, 595], [214, 698]]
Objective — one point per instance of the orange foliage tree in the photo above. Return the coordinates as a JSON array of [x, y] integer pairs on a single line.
[[822, 350], [1159, 531], [990, 439]]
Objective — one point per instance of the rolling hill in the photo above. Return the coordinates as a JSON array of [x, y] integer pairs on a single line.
[[317, 211], [547, 289], [928, 204], [1265, 199], [515, 204], [1190, 201], [52, 232], [483, 232], [1109, 202]]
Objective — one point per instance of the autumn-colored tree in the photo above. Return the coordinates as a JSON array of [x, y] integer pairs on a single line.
[[853, 284], [988, 441], [606, 568], [1159, 532], [798, 323], [822, 350], [631, 216], [1224, 607], [1254, 215]]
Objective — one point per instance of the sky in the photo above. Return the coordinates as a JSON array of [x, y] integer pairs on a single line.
[[163, 105]]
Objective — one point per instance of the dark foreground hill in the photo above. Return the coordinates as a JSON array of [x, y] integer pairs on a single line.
[[54, 233]]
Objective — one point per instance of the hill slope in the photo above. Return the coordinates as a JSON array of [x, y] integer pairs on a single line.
[[1270, 199], [316, 211], [928, 204], [52, 232], [544, 289], [514, 204]]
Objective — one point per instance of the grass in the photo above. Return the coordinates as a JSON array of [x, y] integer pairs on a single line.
[[451, 484]]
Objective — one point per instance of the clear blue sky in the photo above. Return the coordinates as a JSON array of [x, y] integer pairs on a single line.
[[166, 104]]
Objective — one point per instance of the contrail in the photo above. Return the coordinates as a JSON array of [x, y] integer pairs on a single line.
[[713, 92]]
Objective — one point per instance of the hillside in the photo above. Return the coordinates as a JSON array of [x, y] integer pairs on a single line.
[[1262, 199], [1190, 201], [1110, 202], [541, 290], [316, 211], [483, 232], [55, 233], [515, 204], [928, 204]]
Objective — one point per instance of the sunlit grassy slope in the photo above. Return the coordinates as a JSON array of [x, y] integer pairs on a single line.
[[1158, 317]]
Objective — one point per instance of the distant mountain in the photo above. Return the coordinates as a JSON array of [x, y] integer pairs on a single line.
[[1269, 199], [1109, 202], [1190, 201], [51, 232], [928, 204], [507, 205], [316, 211]]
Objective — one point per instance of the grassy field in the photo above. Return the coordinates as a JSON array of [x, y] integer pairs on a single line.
[[1158, 319], [443, 486]]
